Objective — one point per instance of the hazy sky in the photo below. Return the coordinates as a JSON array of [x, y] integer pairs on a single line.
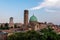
[[44, 10]]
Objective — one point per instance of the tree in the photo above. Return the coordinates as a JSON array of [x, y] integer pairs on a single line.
[[12, 37], [6, 26], [58, 36], [15, 26], [49, 34], [44, 34], [29, 35], [1, 27], [32, 35]]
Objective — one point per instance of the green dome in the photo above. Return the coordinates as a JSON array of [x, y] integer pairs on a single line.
[[33, 18]]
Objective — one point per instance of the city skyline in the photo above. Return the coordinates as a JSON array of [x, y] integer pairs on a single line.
[[44, 10]]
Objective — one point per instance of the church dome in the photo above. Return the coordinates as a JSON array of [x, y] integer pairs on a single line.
[[33, 19]]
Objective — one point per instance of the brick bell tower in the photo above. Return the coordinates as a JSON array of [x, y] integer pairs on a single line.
[[25, 17], [11, 23]]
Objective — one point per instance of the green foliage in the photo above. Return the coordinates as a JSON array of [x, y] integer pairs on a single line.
[[5, 27], [32, 35], [15, 26], [44, 34], [58, 36], [49, 34], [1, 27]]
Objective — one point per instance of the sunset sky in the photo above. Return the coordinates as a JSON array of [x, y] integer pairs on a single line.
[[44, 10]]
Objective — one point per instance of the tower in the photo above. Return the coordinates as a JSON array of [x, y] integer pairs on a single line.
[[11, 20], [11, 23], [25, 17]]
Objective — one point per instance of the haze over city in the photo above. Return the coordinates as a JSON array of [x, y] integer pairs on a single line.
[[44, 10]]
